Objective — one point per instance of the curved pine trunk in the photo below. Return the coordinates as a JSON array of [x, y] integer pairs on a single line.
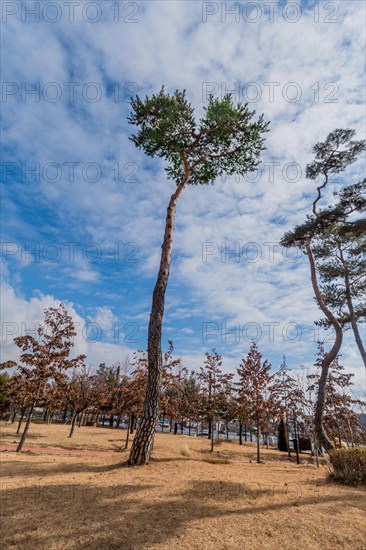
[[323, 440], [356, 332], [144, 439], [351, 310]]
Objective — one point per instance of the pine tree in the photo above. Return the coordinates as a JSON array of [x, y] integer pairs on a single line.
[[341, 257], [331, 157], [224, 141]]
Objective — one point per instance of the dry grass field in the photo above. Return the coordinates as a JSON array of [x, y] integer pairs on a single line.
[[179, 501]]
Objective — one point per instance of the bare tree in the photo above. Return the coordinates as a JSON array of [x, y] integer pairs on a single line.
[[254, 388], [46, 358]]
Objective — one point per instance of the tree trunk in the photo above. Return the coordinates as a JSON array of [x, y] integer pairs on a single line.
[[24, 434], [13, 417], [296, 441], [245, 433], [132, 423], [74, 416], [144, 439], [128, 431], [339, 436], [45, 415], [240, 434], [81, 418], [64, 416], [351, 310], [258, 446], [359, 343], [175, 427], [351, 432], [212, 435], [21, 419], [287, 428], [323, 440]]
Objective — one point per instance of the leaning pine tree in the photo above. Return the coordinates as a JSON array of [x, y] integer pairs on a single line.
[[333, 156], [225, 140], [342, 254]]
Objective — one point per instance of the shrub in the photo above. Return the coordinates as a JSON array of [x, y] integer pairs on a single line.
[[348, 465]]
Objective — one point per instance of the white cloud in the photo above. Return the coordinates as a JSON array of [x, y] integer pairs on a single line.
[[104, 317], [186, 54], [187, 331], [20, 317]]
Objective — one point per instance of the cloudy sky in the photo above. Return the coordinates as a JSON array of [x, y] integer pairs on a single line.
[[83, 210]]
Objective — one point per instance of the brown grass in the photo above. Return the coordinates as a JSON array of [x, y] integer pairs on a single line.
[[176, 502]]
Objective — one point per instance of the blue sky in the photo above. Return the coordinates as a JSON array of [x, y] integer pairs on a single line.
[[92, 207]]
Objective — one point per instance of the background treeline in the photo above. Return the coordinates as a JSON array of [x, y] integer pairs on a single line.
[[253, 400]]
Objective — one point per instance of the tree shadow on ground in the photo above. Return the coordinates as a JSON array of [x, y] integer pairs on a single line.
[[10, 468], [135, 516]]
